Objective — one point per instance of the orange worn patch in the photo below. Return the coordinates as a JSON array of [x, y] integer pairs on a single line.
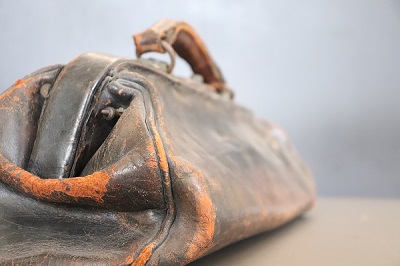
[[144, 256], [25, 86], [129, 260], [160, 148], [159, 142], [22, 82], [205, 227], [7, 94], [161, 152], [152, 162], [93, 186], [206, 213]]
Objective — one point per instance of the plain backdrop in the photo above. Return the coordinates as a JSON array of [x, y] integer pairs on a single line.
[[327, 71]]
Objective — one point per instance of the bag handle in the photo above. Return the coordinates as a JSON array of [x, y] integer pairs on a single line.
[[170, 36]]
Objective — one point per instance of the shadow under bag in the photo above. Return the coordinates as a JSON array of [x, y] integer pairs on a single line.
[[110, 160]]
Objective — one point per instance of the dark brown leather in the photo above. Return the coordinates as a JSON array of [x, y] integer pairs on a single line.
[[183, 171]]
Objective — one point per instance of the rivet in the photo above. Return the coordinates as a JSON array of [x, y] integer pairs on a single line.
[[45, 90], [110, 112]]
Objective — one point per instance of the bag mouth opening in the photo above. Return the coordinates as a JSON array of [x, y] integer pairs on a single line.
[[92, 129], [79, 112], [83, 139]]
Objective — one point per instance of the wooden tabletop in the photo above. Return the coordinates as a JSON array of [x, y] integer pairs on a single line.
[[340, 231]]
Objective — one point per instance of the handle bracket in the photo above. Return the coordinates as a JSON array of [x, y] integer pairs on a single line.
[[187, 44]]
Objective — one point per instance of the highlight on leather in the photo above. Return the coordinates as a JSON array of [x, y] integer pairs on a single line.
[[186, 42], [113, 161]]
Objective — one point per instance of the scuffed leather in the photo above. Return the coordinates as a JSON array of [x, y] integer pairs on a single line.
[[64, 119], [20, 109], [182, 173]]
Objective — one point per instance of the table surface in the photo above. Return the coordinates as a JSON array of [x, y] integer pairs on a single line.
[[336, 232]]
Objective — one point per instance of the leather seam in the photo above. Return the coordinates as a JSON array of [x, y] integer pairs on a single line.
[[142, 256]]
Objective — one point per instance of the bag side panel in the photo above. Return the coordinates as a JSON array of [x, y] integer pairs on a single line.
[[233, 175]]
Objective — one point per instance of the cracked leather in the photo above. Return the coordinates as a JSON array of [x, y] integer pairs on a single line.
[[184, 171]]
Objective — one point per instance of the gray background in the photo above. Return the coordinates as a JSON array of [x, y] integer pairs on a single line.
[[327, 71]]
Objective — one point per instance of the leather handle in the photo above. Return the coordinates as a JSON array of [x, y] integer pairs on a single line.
[[186, 42]]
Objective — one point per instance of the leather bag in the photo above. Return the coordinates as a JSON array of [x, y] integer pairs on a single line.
[[110, 160]]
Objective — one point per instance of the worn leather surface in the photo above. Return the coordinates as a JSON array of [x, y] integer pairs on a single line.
[[67, 111], [187, 172], [182, 172], [36, 233]]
